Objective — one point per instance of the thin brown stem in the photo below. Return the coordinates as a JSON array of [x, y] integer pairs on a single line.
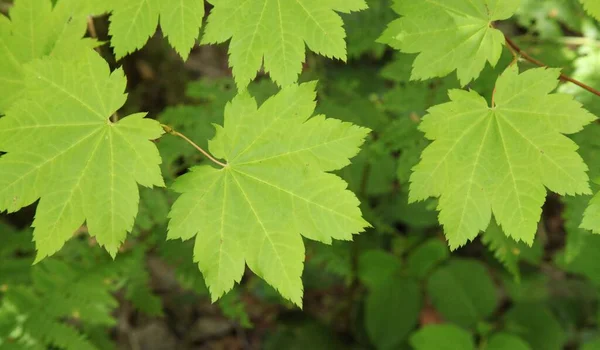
[[170, 130], [563, 77], [92, 27]]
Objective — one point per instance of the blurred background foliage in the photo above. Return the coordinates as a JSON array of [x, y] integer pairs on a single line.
[[397, 286]]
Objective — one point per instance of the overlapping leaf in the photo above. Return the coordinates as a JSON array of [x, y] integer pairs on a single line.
[[133, 22], [274, 189], [499, 159], [449, 35], [61, 147], [275, 32], [36, 30]]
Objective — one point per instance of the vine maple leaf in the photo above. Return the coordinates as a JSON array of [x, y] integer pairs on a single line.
[[275, 32], [449, 35], [36, 29], [592, 7], [133, 22], [62, 147], [498, 159], [274, 188]]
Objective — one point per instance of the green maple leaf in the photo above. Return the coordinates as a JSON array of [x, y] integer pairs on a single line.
[[274, 188], [275, 32], [36, 29], [501, 159], [592, 7], [133, 22], [449, 35], [61, 147]]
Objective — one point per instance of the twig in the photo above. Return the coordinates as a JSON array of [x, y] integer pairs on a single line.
[[567, 40], [92, 27], [563, 77], [170, 130]]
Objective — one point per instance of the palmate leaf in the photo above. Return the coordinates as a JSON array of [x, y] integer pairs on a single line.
[[449, 35], [133, 22], [37, 29], [592, 7], [275, 32], [274, 188], [499, 159], [61, 147]]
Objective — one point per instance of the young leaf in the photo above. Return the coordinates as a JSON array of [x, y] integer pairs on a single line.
[[449, 35], [62, 147], [498, 159], [592, 7], [133, 22], [275, 32], [505, 249], [273, 188]]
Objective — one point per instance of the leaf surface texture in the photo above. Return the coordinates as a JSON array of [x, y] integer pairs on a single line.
[[274, 189]]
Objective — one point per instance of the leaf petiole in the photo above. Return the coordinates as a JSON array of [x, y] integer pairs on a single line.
[[170, 130]]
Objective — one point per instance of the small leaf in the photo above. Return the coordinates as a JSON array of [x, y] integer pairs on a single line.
[[505, 249], [463, 292], [425, 257], [375, 267]]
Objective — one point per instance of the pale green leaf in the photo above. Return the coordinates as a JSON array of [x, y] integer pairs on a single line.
[[274, 33], [36, 30], [500, 160], [133, 22], [592, 7], [449, 35], [61, 147], [274, 188]]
